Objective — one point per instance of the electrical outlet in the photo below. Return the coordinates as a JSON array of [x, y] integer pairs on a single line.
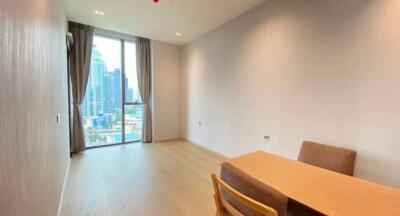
[[200, 123], [58, 118], [267, 138]]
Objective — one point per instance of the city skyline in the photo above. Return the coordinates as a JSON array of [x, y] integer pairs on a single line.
[[102, 105], [104, 89]]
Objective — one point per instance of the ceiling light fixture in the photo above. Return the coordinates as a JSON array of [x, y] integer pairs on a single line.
[[101, 13], [178, 34]]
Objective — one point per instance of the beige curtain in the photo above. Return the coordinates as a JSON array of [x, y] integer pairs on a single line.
[[80, 58], [143, 59]]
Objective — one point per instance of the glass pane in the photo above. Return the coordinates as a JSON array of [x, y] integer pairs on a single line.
[[101, 109], [133, 122], [132, 94]]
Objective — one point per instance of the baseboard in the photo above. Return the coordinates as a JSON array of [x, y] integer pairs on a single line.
[[170, 139], [203, 147], [193, 143], [63, 188]]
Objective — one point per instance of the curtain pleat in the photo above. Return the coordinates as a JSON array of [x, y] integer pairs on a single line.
[[80, 59], [143, 59]]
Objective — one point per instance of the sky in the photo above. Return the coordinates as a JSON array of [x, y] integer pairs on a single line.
[[110, 49]]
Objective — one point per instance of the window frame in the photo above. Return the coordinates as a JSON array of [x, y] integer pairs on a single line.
[[122, 38]]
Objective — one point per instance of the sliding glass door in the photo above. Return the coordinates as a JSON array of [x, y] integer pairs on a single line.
[[112, 109]]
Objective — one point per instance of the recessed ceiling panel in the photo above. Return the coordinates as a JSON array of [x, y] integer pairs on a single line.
[[174, 21]]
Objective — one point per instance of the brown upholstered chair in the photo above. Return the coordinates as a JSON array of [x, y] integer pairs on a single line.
[[261, 199], [333, 158]]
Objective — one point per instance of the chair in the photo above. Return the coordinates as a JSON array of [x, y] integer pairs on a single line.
[[238, 194], [333, 158]]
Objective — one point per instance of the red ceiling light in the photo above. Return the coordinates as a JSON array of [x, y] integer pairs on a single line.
[[156, 1]]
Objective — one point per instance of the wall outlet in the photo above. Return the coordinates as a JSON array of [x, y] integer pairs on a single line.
[[267, 138], [200, 123], [58, 118]]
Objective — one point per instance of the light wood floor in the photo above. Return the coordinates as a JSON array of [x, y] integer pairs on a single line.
[[169, 178]]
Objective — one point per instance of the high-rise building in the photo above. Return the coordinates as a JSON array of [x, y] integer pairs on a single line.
[[117, 87], [108, 93], [93, 101]]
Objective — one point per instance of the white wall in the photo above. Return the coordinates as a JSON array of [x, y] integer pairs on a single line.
[[166, 91], [326, 71]]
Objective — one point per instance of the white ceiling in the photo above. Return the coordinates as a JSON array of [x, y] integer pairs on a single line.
[[158, 21]]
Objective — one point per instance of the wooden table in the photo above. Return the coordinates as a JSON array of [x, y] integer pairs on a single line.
[[325, 191]]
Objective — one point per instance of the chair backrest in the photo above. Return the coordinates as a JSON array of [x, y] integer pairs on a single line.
[[333, 158], [237, 194]]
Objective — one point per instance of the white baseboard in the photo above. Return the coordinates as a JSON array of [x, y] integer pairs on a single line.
[[169, 139], [63, 188]]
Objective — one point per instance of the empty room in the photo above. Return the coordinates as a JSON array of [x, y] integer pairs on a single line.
[[199, 107]]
